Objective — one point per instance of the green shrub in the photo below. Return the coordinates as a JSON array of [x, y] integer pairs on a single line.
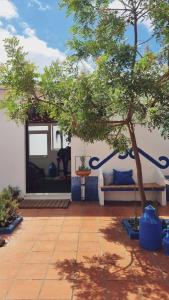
[[10, 192], [8, 205]]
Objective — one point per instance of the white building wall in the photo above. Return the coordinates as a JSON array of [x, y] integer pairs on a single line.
[[150, 142], [12, 154]]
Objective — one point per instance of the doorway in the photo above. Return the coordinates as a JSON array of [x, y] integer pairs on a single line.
[[48, 159]]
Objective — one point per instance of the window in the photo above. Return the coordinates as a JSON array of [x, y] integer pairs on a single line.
[[59, 139], [37, 128], [38, 140], [38, 144]]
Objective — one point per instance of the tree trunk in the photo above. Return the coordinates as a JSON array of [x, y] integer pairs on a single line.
[[138, 164]]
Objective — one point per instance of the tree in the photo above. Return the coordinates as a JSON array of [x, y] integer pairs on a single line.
[[128, 86]]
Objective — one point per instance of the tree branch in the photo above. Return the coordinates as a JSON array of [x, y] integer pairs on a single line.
[[149, 39]]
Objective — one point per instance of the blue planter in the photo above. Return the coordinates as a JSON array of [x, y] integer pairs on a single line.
[[131, 233], [9, 229], [166, 242], [150, 231]]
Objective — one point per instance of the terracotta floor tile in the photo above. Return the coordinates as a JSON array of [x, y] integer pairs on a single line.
[[56, 289], [88, 228], [89, 289], [73, 229], [72, 222], [17, 256], [88, 237], [24, 289], [84, 256], [84, 247], [9, 270], [42, 246], [55, 222], [26, 236], [4, 287], [51, 228], [32, 229], [153, 291], [32, 271], [38, 257], [21, 245], [121, 290], [63, 255], [29, 212], [48, 236], [66, 246], [68, 236], [63, 270], [87, 246]]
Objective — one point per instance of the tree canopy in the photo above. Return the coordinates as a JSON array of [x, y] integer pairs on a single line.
[[129, 83], [128, 80]]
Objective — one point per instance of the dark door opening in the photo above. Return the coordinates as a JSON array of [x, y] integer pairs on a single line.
[[48, 159]]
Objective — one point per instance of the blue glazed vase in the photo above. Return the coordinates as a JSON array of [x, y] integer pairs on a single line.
[[150, 230], [166, 242]]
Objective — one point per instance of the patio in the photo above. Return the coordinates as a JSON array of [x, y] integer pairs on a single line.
[[79, 253]]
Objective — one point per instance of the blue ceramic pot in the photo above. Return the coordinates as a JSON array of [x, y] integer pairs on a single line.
[[150, 231], [166, 241]]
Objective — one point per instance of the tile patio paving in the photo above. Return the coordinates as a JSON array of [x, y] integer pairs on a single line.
[[80, 253]]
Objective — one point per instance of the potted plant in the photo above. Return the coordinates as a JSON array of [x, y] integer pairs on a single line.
[[83, 170]]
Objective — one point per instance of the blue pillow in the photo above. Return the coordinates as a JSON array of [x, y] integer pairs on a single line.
[[123, 177]]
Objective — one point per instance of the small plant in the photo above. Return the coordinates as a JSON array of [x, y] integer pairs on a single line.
[[15, 191], [83, 166], [8, 205]]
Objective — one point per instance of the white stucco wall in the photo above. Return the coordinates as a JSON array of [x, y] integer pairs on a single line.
[[151, 142], [12, 154]]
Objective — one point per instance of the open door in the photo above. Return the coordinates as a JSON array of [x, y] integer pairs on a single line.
[[48, 162]]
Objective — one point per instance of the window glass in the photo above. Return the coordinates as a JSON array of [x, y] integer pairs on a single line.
[[37, 128], [58, 138], [38, 144]]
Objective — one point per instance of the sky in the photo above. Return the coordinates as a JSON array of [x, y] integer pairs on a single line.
[[43, 29]]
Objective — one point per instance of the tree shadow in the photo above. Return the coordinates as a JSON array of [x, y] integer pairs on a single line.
[[124, 271], [102, 278]]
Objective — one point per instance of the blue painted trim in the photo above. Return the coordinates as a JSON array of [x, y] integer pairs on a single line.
[[9, 229], [130, 189], [131, 233], [100, 164], [163, 162], [135, 234], [91, 188], [163, 159], [76, 188]]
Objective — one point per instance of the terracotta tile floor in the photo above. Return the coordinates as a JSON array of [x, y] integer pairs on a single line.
[[80, 253]]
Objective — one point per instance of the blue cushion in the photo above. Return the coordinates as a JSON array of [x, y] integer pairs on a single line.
[[123, 177]]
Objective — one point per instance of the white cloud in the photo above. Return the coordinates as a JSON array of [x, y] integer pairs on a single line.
[[11, 29], [116, 4], [38, 50], [29, 32], [38, 4], [8, 9]]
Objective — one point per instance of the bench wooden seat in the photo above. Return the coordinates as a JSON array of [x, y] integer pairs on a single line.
[[134, 187]]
